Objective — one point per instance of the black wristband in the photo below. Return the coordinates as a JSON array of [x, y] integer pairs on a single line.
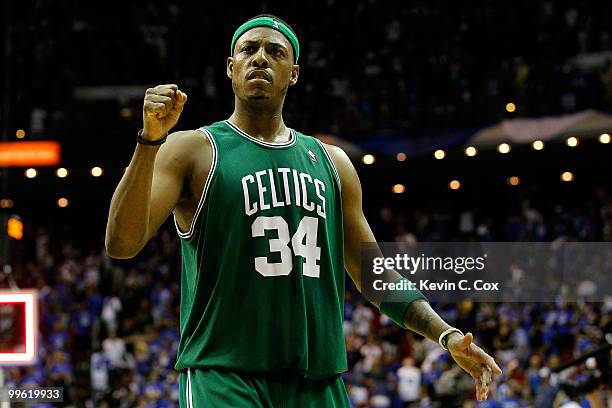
[[145, 142]]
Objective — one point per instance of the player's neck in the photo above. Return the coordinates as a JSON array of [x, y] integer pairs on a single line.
[[265, 124]]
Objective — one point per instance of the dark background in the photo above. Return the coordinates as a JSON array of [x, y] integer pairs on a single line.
[[375, 75]]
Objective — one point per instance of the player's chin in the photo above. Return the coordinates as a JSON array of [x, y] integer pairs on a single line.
[[258, 87], [259, 96]]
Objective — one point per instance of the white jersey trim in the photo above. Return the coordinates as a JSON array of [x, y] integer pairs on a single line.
[[189, 393], [330, 162], [215, 154], [290, 143]]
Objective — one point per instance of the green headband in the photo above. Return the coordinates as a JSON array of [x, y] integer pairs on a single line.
[[271, 23]]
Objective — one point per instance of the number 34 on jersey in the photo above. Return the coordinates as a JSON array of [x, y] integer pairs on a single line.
[[291, 191], [303, 242]]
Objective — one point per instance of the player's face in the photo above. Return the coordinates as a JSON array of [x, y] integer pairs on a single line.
[[262, 67]]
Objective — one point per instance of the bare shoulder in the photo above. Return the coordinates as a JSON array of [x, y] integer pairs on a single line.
[[335, 152], [188, 139], [343, 163], [185, 147]]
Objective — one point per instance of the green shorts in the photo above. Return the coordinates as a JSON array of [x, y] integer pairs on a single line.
[[211, 388]]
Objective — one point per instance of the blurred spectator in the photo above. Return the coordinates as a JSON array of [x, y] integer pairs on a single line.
[[114, 350], [100, 366], [110, 309], [409, 382]]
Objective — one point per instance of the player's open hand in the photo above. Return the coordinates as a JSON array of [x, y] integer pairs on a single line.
[[475, 361], [161, 110]]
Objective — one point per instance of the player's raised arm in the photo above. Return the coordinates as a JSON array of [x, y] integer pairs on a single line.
[[415, 314], [152, 185]]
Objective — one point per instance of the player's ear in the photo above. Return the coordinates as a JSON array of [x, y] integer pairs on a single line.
[[230, 67], [295, 72]]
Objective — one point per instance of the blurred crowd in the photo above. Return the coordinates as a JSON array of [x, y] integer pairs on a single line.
[[365, 70], [109, 329]]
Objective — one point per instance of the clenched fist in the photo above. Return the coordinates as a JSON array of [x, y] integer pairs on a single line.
[[161, 110]]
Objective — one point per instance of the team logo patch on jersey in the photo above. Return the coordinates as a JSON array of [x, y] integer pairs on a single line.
[[312, 156]]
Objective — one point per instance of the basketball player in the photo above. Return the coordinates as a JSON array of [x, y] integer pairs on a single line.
[[268, 219]]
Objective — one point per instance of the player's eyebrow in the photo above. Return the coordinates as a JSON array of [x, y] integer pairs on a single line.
[[256, 42], [277, 44]]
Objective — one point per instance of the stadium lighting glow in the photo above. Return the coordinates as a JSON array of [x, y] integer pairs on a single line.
[[537, 145], [31, 173], [96, 171], [567, 176], [604, 138], [6, 203], [571, 141], [398, 188], [514, 181], [61, 172], [63, 202], [400, 156], [368, 159], [439, 154], [126, 113], [471, 151], [503, 148], [454, 185], [510, 107], [30, 153], [15, 228], [20, 133]]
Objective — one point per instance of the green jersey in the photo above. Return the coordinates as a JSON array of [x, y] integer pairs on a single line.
[[262, 282]]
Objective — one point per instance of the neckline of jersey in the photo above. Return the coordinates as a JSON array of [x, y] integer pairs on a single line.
[[244, 134]]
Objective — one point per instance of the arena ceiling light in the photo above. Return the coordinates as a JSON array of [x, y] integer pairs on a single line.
[[31, 173], [20, 134], [604, 138], [96, 171], [439, 154], [454, 185], [398, 188], [571, 141], [61, 172], [510, 107], [513, 181], [471, 151], [401, 156], [503, 148], [63, 202], [368, 159], [567, 176], [537, 145]]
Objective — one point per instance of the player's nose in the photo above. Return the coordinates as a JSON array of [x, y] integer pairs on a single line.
[[260, 59]]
